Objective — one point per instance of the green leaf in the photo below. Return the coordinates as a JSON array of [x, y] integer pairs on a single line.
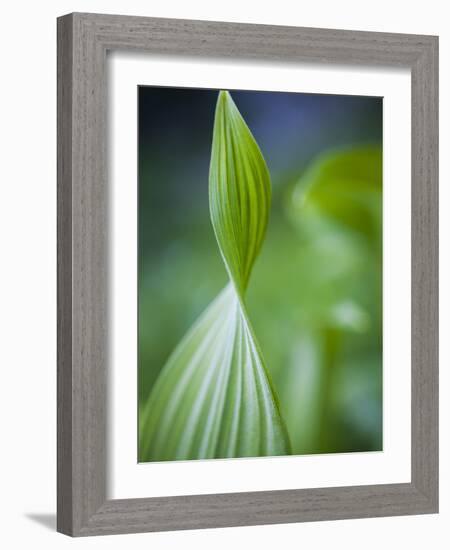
[[346, 186], [239, 191], [213, 398]]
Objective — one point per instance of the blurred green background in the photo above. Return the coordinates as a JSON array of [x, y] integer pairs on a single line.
[[315, 296]]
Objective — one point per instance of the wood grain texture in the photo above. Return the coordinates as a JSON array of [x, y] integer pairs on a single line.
[[83, 318], [64, 297], [424, 276]]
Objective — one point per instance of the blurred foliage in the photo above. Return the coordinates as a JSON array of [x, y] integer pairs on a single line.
[[315, 297]]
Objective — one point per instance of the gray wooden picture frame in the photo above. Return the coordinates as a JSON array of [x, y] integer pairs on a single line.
[[83, 41]]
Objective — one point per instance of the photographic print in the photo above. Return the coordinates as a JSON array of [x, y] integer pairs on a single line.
[[260, 274]]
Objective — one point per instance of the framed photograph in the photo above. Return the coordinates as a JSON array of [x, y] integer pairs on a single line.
[[247, 274]]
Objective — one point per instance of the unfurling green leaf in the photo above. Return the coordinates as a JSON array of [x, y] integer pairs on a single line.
[[239, 191], [213, 398]]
